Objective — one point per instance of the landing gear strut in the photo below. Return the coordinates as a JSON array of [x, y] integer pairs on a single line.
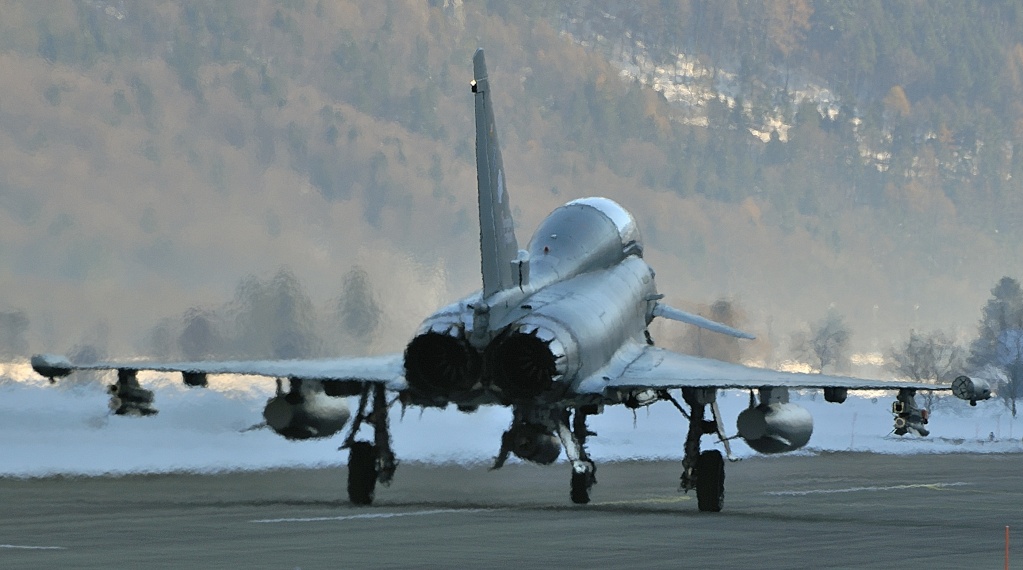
[[584, 471], [704, 471], [128, 398], [908, 417], [368, 462]]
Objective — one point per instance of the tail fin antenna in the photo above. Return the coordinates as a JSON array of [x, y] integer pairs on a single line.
[[498, 247]]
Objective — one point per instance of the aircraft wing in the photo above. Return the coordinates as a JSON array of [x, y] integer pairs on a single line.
[[388, 369], [656, 368]]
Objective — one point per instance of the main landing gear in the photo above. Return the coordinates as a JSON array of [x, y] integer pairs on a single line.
[[704, 471], [908, 417], [369, 463], [128, 398]]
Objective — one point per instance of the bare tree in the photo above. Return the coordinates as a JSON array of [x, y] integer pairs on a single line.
[[826, 344], [927, 357]]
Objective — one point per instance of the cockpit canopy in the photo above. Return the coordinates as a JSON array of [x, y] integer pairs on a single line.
[[628, 230], [583, 235]]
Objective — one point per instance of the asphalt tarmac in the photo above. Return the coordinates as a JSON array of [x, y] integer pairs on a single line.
[[841, 510]]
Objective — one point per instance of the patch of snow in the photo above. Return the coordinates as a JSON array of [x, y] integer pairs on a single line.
[[48, 430]]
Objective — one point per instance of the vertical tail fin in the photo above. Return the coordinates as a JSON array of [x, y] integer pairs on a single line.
[[498, 247]]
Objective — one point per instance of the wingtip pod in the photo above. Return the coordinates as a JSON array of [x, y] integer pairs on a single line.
[[51, 366]]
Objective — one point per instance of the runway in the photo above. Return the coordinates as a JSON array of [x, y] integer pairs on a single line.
[[837, 510]]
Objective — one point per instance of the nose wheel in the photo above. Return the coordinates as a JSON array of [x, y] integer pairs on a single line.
[[584, 471], [581, 484]]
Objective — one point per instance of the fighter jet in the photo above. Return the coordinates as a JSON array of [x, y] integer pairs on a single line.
[[558, 331]]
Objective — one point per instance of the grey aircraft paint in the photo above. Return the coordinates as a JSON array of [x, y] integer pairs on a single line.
[[556, 332]]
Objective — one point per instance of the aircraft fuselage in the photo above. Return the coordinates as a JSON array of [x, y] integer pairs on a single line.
[[584, 294]]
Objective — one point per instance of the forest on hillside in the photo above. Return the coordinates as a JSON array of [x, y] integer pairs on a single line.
[[171, 149], [932, 86]]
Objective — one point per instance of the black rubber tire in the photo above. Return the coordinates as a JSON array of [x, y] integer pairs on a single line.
[[710, 481], [580, 488], [362, 473]]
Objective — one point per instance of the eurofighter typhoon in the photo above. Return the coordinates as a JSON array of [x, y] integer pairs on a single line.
[[558, 331]]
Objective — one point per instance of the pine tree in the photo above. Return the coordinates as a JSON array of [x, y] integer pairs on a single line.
[[999, 343], [1003, 312]]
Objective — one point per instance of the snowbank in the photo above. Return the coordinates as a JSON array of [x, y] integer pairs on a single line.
[[48, 430]]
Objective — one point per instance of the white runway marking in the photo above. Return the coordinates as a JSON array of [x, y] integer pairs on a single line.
[[375, 516], [22, 547], [856, 489], [654, 500]]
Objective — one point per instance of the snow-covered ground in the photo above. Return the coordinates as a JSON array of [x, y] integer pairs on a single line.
[[59, 430]]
